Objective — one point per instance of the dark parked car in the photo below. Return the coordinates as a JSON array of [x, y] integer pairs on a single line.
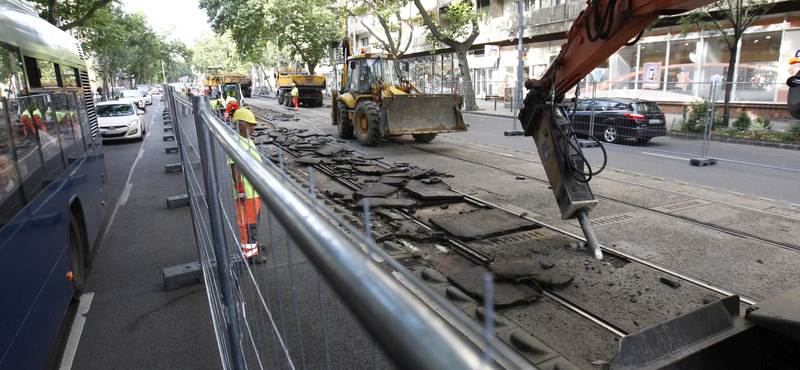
[[616, 119]]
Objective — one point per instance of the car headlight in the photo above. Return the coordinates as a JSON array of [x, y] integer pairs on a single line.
[[133, 123]]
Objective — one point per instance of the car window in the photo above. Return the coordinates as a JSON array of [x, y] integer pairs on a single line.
[[131, 94], [115, 110], [600, 105], [619, 106], [583, 106], [647, 107]]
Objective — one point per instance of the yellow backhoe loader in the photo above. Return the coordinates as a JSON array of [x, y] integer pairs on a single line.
[[376, 101]]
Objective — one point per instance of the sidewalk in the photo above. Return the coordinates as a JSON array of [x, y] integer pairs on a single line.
[[492, 108]]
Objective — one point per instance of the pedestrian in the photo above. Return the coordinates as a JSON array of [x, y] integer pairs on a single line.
[[295, 94], [100, 92], [248, 201]]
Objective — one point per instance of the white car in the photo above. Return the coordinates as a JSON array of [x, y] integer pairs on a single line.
[[148, 99], [136, 96], [120, 120]]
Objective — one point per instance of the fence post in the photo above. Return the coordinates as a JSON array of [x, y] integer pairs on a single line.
[[218, 235], [704, 160]]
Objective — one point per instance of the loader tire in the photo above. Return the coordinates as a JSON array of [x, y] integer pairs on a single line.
[[424, 138], [367, 123], [345, 125], [280, 98]]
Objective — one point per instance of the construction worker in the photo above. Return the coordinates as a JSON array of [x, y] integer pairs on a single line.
[[37, 119], [214, 103], [248, 202], [295, 94], [231, 105]]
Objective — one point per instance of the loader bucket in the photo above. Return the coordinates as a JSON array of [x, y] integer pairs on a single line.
[[423, 113]]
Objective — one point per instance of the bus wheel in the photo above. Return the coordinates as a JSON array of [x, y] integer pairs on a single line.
[[77, 262]]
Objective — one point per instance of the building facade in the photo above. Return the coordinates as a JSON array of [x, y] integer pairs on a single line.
[[665, 65]]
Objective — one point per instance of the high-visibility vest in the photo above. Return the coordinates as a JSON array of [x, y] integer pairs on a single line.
[[229, 99]]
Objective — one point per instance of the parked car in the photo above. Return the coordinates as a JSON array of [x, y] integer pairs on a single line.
[[616, 119], [120, 120], [136, 96]]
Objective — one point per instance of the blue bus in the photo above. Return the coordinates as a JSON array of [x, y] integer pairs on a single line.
[[52, 183]]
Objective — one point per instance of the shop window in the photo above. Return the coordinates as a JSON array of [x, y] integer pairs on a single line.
[[653, 56], [682, 69]]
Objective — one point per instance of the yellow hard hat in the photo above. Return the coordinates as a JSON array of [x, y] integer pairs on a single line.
[[293, 84], [244, 114]]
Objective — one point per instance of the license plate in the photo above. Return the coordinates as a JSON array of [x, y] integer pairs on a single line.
[[655, 120], [105, 132]]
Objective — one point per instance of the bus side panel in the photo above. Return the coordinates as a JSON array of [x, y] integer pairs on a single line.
[[34, 290], [96, 195]]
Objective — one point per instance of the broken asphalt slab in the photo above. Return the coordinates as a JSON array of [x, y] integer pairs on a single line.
[[506, 294], [481, 224], [437, 191]]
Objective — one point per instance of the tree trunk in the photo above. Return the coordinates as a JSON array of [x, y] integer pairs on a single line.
[[467, 87], [729, 84], [311, 68]]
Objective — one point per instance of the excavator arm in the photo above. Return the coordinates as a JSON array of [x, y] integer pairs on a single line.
[[597, 33]]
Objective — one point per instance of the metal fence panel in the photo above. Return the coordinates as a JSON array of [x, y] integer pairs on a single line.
[[318, 301]]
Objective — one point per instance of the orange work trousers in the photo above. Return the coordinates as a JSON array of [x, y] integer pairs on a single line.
[[249, 210], [294, 100]]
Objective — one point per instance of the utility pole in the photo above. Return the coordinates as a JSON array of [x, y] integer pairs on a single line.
[[518, 93]]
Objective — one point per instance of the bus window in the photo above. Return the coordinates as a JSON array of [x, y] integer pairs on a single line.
[[53, 107], [41, 73], [12, 81], [26, 145], [10, 197], [69, 76], [85, 131], [74, 131]]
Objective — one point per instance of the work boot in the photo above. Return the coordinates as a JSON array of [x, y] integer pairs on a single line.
[[256, 260]]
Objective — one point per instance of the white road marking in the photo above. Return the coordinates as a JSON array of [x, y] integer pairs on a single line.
[[77, 329], [125, 193], [665, 156]]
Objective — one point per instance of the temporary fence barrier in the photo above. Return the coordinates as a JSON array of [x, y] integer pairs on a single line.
[[302, 306]]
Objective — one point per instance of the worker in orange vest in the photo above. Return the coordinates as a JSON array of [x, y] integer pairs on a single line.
[[248, 202]]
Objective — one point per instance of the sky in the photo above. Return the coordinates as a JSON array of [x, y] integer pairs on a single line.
[[188, 19]]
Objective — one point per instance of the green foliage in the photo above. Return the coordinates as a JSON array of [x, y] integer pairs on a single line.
[[213, 50], [460, 20], [759, 127], [764, 122], [388, 33], [125, 44], [794, 127], [698, 117], [742, 122], [261, 28], [74, 13]]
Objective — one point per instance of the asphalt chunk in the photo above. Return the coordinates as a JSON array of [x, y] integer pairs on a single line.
[[481, 224]]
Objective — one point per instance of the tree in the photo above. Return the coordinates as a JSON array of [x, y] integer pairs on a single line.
[[126, 45], [214, 50], [307, 27], [390, 37], [73, 14], [730, 19], [461, 24]]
